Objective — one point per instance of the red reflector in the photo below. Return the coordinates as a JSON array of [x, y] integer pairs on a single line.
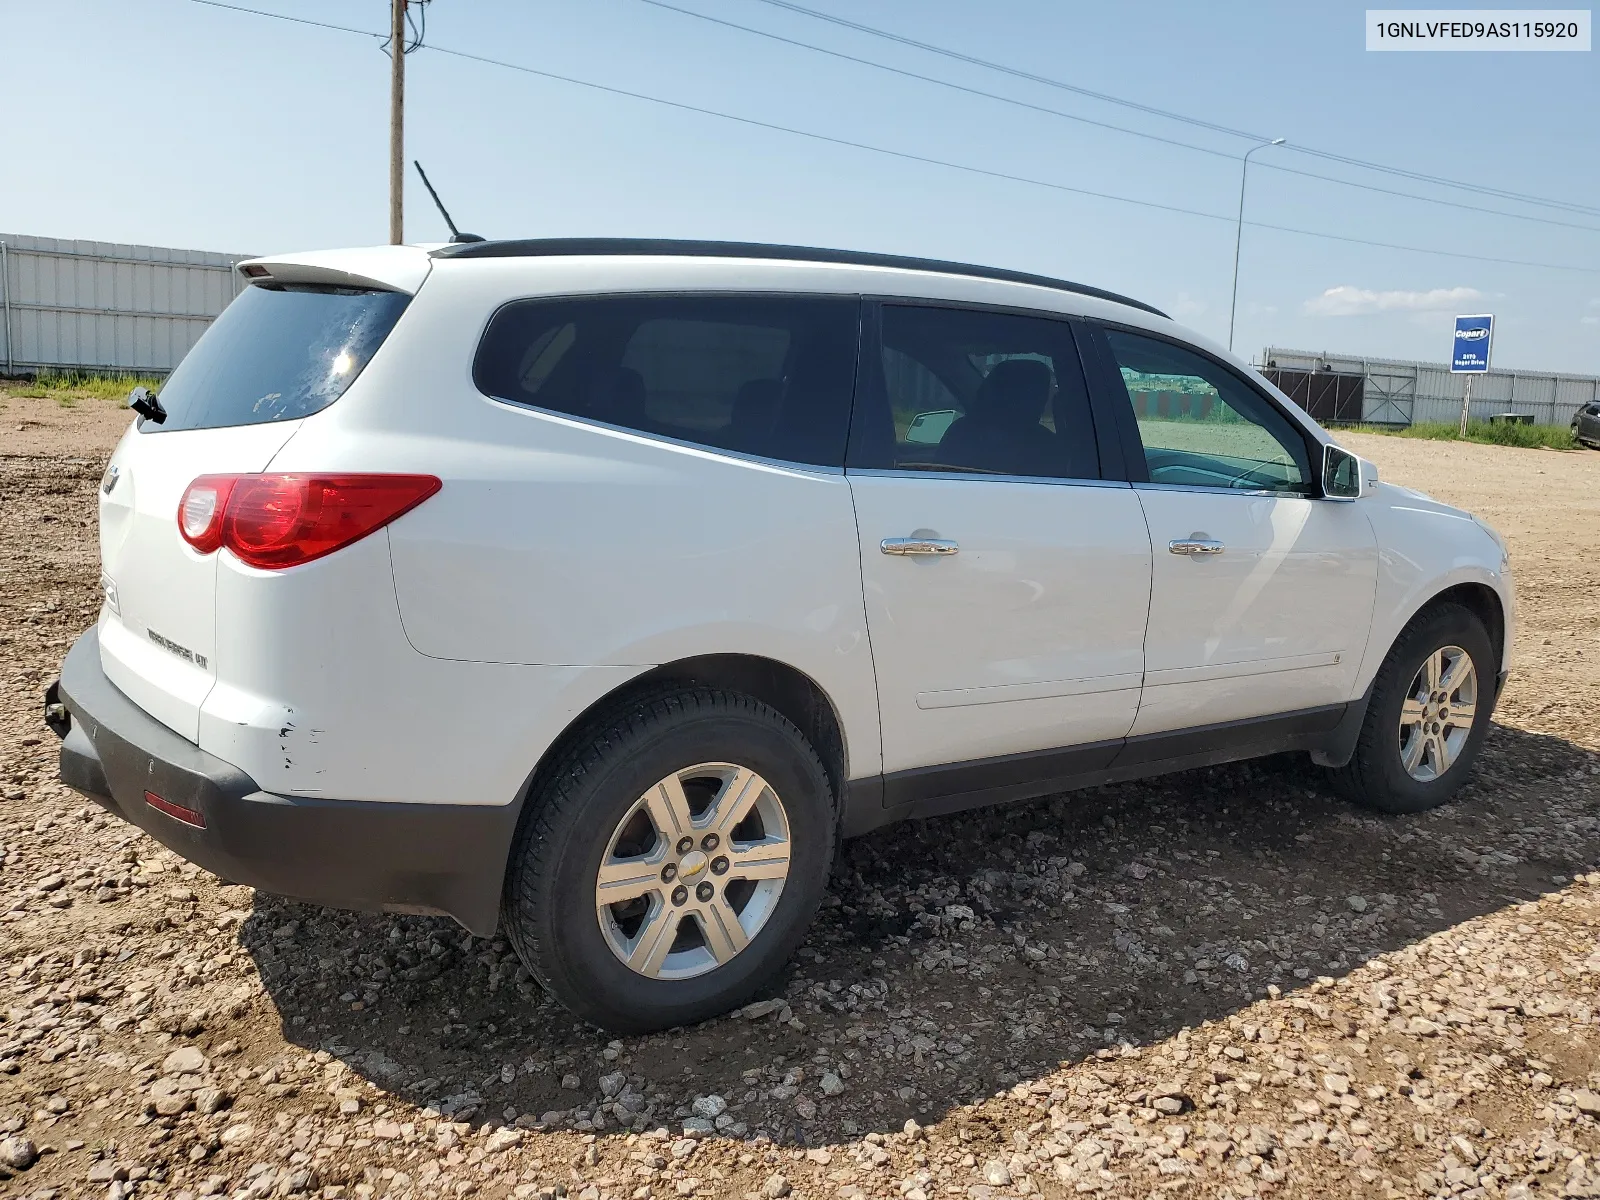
[[177, 812], [256, 271]]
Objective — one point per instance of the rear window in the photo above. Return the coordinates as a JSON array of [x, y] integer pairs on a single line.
[[766, 375], [276, 353]]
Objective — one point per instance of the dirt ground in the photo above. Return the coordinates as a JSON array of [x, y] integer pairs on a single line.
[[1223, 983]]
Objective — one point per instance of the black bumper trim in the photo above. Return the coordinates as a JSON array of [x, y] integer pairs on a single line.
[[375, 856]]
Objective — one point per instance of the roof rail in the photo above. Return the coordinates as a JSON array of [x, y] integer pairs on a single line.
[[560, 247]]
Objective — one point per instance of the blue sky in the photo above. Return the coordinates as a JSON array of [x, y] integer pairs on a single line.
[[171, 123]]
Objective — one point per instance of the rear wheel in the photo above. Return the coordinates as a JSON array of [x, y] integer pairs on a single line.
[[1428, 715], [669, 866]]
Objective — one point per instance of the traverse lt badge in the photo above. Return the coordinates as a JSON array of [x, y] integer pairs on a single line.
[[182, 652]]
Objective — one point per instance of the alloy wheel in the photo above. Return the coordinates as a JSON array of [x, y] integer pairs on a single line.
[[693, 871], [1437, 714]]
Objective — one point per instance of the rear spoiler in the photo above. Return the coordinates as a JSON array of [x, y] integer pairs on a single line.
[[387, 268]]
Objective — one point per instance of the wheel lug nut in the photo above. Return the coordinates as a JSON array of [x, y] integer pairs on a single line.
[[685, 844], [704, 892], [709, 842], [669, 872], [680, 895], [719, 866]]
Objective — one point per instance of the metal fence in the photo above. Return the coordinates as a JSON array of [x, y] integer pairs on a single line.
[[1387, 391], [101, 306]]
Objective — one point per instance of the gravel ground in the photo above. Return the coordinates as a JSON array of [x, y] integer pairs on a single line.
[[1223, 983]]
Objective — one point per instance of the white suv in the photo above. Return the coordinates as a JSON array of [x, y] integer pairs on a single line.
[[595, 589]]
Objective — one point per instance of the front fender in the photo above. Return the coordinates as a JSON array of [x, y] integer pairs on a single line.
[[1425, 549]]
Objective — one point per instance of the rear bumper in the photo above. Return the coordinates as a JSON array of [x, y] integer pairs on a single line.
[[437, 858]]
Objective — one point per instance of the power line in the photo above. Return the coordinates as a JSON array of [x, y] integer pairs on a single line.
[[1383, 191], [1339, 237], [940, 162], [945, 83], [823, 137], [259, 12], [1139, 133], [1017, 72], [1422, 177], [908, 156]]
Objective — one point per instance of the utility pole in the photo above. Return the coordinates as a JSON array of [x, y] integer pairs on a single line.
[[397, 135]]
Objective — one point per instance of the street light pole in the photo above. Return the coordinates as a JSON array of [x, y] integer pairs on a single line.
[[1238, 232]]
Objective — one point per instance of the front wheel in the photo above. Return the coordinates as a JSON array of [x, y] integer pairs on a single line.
[[670, 865], [1428, 715]]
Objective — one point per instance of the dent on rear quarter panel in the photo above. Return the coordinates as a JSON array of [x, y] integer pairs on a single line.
[[322, 696]]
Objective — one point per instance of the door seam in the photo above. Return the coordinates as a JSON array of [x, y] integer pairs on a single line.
[[1149, 607]]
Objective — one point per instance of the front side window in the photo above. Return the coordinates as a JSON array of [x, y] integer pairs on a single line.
[[1203, 426], [277, 353], [979, 393], [765, 375]]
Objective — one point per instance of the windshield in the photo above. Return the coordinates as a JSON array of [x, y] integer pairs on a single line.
[[277, 353]]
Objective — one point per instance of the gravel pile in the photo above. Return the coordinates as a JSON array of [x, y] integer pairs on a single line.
[[1226, 983]]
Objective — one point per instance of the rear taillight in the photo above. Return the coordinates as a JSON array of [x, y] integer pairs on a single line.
[[275, 521]]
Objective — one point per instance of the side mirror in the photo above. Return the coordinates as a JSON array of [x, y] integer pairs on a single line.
[[1346, 476]]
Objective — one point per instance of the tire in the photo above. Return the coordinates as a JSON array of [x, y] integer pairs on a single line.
[[606, 801], [1377, 775]]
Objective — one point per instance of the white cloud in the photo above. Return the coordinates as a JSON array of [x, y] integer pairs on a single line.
[[1186, 306], [1347, 301], [1589, 320]]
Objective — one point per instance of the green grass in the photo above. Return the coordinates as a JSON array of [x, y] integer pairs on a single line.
[[1532, 437], [68, 388]]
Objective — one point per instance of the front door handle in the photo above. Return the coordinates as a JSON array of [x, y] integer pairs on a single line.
[[913, 545], [1195, 546]]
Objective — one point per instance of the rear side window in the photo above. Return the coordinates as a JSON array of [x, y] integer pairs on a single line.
[[977, 393], [276, 353], [764, 375]]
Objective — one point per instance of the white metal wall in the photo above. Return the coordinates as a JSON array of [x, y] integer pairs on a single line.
[[1403, 393], [101, 306]]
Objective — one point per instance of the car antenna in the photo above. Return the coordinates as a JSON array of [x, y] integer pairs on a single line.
[[455, 234]]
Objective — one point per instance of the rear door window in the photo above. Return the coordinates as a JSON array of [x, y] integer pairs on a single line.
[[276, 353], [976, 393], [765, 375]]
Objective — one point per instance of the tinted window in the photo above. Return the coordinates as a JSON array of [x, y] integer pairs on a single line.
[[764, 375], [277, 353], [977, 393], [1204, 426]]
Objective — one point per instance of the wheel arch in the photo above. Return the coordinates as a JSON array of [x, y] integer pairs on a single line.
[[1476, 596], [788, 690], [1484, 603]]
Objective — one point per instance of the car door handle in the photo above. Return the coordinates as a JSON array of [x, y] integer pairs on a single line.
[[912, 545], [1194, 546]]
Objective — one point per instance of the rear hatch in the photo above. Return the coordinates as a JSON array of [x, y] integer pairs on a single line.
[[279, 353]]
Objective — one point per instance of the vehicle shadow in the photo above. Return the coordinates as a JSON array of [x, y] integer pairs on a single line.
[[958, 956]]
